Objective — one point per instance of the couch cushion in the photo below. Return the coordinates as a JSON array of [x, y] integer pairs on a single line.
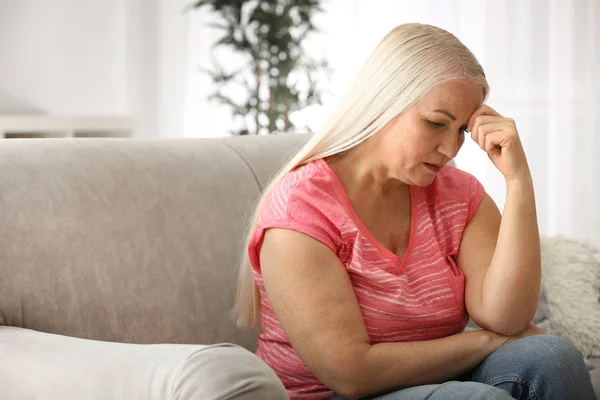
[[128, 240], [41, 366]]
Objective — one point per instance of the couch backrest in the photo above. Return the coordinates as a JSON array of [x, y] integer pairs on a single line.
[[129, 240]]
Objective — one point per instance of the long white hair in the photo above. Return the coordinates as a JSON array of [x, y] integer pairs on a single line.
[[410, 61]]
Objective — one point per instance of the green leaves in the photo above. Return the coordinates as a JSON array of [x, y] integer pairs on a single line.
[[276, 75]]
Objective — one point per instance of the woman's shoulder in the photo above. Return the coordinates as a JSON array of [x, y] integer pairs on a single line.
[[304, 175], [310, 184], [304, 200]]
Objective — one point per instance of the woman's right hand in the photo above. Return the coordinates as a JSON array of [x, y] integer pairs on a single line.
[[531, 330]]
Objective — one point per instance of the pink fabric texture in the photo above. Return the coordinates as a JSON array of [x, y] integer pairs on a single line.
[[414, 298]]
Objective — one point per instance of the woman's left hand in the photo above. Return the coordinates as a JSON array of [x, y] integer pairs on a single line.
[[498, 136]]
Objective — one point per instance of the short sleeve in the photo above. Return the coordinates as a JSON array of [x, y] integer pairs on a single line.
[[475, 194], [306, 209]]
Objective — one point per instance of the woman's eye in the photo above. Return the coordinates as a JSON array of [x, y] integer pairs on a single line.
[[436, 124]]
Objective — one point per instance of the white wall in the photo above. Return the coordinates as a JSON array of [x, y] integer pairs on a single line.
[[172, 63], [94, 57]]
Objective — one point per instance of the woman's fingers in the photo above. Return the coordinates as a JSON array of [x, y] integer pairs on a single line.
[[493, 143], [499, 138], [484, 110], [481, 133], [480, 121]]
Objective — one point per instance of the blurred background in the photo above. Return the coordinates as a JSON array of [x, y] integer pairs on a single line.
[[197, 69]]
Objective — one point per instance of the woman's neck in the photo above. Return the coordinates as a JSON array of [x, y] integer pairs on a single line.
[[360, 172]]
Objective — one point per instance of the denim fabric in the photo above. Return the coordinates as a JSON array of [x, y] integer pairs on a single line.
[[541, 367]]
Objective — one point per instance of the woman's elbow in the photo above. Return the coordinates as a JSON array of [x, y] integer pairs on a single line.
[[349, 389], [347, 375], [510, 330], [503, 326]]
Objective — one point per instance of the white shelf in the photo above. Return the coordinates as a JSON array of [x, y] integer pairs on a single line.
[[39, 126]]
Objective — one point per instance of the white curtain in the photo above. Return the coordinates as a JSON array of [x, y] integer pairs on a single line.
[[542, 59]]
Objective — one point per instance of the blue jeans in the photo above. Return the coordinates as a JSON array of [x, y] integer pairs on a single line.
[[541, 367]]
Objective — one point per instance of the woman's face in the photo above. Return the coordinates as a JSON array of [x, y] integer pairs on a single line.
[[416, 144]]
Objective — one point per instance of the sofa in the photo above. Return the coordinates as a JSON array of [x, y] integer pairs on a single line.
[[119, 264]]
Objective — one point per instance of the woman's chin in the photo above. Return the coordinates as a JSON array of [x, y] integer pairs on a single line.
[[423, 181]]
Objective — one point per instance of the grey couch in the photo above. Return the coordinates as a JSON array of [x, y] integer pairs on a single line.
[[128, 241]]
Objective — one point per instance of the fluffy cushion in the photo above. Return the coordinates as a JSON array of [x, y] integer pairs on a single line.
[[571, 284]]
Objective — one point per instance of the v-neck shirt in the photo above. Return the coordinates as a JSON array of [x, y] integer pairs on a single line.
[[417, 297]]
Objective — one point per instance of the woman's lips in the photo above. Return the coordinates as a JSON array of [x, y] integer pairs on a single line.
[[432, 167]]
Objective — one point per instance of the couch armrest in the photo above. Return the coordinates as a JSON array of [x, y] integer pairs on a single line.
[[40, 366]]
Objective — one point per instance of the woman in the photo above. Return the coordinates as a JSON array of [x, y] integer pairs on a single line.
[[368, 253]]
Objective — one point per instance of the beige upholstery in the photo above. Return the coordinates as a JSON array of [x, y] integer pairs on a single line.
[[129, 240]]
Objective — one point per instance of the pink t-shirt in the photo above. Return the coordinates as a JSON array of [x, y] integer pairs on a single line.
[[414, 298]]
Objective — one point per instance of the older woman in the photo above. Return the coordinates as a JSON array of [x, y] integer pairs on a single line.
[[368, 253]]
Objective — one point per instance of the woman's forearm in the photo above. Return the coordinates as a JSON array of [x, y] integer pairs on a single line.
[[512, 282], [387, 366]]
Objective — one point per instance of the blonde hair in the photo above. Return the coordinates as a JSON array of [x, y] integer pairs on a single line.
[[410, 61]]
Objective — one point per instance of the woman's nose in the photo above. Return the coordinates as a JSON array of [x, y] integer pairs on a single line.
[[449, 146]]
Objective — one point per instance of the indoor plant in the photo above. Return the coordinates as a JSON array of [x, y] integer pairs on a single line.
[[275, 75]]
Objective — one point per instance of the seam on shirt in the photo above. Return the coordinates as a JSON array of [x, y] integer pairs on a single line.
[[294, 197], [296, 184]]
